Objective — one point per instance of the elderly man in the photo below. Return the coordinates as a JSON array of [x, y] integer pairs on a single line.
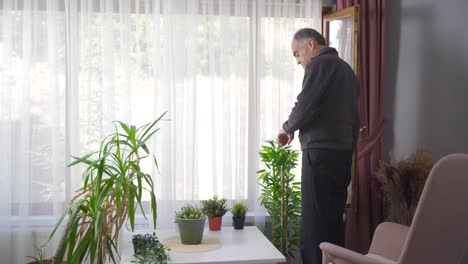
[[327, 118]]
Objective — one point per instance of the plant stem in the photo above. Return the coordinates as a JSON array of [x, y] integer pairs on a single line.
[[282, 214]]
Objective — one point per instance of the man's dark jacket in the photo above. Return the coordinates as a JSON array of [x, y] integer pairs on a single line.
[[326, 112]]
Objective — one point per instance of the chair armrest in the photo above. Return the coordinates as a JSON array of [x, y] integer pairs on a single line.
[[389, 239], [332, 253]]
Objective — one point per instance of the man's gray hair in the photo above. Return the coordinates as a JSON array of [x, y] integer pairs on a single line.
[[304, 34]]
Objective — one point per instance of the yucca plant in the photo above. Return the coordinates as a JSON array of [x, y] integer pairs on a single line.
[[112, 190], [281, 195]]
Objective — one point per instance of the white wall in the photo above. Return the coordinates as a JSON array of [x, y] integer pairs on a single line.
[[426, 82]]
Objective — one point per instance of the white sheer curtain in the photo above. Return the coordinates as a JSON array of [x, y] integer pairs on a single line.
[[222, 69], [342, 37]]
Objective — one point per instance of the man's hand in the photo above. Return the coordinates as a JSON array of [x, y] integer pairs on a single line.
[[284, 138]]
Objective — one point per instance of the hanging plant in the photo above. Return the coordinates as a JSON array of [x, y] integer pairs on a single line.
[[281, 195]]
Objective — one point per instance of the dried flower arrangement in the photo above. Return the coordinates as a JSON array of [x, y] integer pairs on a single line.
[[402, 182]]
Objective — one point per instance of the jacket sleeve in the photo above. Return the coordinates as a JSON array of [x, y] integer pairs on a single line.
[[314, 92]]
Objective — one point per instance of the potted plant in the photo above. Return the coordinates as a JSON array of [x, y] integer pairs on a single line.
[[281, 195], [215, 209], [191, 222], [148, 249], [401, 182], [40, 257], [238, 210], [112, 190]]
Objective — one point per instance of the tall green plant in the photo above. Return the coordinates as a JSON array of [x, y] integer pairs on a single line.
[[112, 190], [281, 194]]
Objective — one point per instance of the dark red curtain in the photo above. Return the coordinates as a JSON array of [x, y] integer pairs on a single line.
[[366, 208]]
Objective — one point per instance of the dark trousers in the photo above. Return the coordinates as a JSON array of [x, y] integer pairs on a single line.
[[326, 174]]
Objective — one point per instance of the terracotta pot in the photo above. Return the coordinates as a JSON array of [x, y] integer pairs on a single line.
[[215, 223]]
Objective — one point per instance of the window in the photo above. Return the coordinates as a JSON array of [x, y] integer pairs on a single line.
[[221, 68]]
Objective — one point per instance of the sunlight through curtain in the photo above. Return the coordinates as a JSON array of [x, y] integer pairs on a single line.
[[222, 69]]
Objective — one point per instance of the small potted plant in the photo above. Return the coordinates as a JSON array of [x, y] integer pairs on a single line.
[[215, 209], [191, 222], [238, 210], [148, 249], [40, 257]]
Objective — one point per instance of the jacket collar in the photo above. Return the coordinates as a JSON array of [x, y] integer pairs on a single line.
[[323, 51]]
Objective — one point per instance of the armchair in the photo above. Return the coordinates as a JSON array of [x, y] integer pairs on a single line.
[[438, 233]]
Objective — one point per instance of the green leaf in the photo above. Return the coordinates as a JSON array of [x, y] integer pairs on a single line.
[[148, 137], [154, 209], [124, 126], [131, 209], [105, 192], [118, 197], [139, 186], [110, 248], [83, 159], [143, 146], [98, 223], [72, 239], [152, 125], [81, 249], [57, 225]]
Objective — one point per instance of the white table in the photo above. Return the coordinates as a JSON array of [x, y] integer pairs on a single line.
[[237, 246]]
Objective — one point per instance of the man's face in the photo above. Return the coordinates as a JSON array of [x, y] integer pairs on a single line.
[[303, 52]]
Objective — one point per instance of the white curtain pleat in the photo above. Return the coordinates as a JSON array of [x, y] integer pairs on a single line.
[[6, 111], [21, 167], [6, 131], [32, 163], [55, 112], [222, 69], [23, 93], [108, 97]]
